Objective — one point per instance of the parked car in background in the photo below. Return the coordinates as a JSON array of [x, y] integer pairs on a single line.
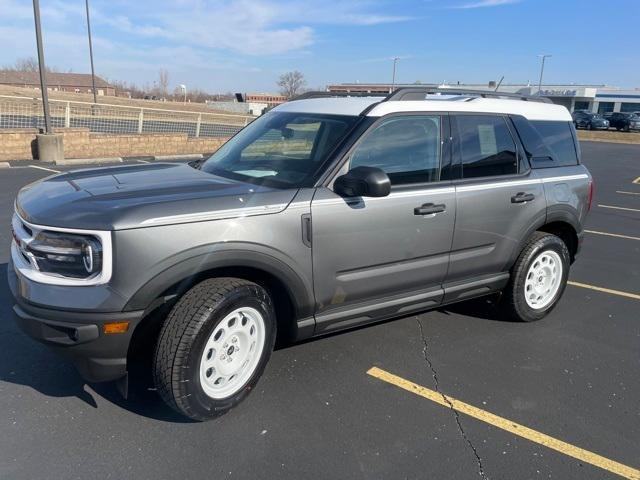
[[624, 121], [589, 120]]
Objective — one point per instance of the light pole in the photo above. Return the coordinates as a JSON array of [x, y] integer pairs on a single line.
[[543, 57], [393, 80], [93, 73], [41, 67]]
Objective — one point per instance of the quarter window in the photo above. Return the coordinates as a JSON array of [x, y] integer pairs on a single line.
[[406, 148], [486, 146], [559, 139]]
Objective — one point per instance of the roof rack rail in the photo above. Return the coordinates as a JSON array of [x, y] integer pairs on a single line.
[[419, 93], [321, 94]]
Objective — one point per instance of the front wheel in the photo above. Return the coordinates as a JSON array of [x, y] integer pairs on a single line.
[[538, 279], [214, 346]]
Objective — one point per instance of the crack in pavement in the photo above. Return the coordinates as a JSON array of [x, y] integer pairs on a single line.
[[434, 374]]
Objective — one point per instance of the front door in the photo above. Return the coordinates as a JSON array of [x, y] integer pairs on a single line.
[[378, 257]]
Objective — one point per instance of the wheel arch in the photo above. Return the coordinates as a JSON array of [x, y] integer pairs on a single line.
[[562, 223], [291, 293]]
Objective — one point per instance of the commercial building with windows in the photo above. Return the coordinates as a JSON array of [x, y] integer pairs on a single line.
[[594, 98]]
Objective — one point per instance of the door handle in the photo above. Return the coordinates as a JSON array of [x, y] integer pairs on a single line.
[[522, 197], [429, 208]]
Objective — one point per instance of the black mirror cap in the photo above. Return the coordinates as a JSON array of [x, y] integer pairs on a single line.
[[363, 182]]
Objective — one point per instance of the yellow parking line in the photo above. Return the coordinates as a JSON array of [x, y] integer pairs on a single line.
[[508, 425], [605, 290], [617, 235], [620, 208], [627, 193]]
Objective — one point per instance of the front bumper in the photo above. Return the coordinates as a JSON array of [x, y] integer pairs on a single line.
[[78, 335]]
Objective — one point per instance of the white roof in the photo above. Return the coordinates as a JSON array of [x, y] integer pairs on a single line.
[[329, 105], [355, 106], [529, 110]]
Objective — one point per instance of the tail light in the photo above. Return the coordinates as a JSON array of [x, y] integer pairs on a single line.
[[590, 199]]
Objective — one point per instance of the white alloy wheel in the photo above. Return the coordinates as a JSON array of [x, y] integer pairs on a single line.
[[543, 279], [232, 353]]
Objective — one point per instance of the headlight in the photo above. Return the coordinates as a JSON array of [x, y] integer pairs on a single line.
[[65, 254], [61, 256]]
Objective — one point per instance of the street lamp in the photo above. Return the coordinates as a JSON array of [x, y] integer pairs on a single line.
[[41, 67], [543, 57], [393, 81], [183, 88], [93, 73]]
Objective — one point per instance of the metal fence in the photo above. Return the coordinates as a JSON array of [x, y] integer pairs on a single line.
[[24, 112]]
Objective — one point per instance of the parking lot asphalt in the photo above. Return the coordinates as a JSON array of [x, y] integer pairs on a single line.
[[572, 377]]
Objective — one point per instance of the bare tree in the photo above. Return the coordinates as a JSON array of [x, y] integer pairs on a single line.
[[163, 82], [291, 83], [27, 64]]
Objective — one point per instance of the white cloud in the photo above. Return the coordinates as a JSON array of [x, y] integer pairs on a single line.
[[132, 40], [250, 27], [486, 3]]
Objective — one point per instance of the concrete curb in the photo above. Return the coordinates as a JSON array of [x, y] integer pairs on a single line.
[[5, 165], [88, 161], [190, 156]]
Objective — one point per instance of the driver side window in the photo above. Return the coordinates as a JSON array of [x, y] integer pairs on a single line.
[[407, 148]]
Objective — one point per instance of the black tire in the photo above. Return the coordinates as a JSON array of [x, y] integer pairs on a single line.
[[589, 126], [184, 335], [513, 304]]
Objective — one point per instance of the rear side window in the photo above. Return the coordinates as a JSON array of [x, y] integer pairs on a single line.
[[548, 143], [486, 146]]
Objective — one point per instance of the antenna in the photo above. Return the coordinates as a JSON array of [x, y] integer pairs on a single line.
[[499, 83]]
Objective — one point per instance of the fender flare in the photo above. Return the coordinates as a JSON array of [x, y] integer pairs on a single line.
[[557, 213], [223, 255]]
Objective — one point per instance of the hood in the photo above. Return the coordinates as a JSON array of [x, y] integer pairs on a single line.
[[134, 196]]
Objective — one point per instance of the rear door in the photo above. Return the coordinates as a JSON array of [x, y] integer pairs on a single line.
[[498, 198], [376, 257]]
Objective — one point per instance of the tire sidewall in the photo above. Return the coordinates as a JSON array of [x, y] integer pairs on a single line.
[[245, 296], [525, 312]]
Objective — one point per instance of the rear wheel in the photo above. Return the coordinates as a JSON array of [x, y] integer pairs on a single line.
[[538, 279], [214, 346]]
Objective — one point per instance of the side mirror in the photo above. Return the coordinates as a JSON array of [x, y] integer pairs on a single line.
[[363, 182]]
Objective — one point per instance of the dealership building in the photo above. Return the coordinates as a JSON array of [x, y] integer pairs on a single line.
[[595, 98]]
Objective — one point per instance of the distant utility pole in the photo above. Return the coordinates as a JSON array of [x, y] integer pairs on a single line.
[[543, 57], [93, 73], [41, 67], [393, 80]]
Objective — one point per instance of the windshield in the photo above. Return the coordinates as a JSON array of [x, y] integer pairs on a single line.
[[280, 149]]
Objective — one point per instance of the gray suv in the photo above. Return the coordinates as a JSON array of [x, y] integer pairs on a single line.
[[324, 214]]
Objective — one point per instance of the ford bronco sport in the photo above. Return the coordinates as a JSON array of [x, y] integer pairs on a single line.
[[324, 214]]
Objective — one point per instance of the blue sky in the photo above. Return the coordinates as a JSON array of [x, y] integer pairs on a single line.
[[244, 45]]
